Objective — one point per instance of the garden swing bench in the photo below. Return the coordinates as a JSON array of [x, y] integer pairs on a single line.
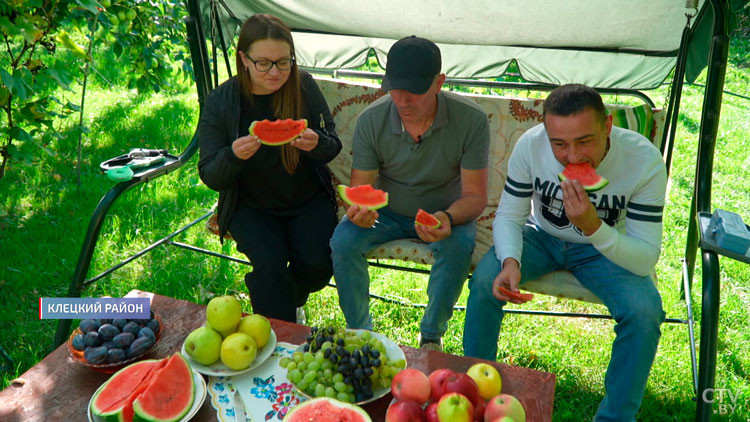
[[621, 57]]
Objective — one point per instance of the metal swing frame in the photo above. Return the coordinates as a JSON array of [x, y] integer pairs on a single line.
[[704, 368]]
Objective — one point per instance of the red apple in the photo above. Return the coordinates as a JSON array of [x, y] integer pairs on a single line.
[[464, 384], [504, 405], [405, 411], [479, 411], [455, 407], [431, 413], [437, 377], [411, 384]]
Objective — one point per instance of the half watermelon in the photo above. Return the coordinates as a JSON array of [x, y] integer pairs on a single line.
[[364, 195], [424, 218], [324, 409], [277, 132], [586, 176]]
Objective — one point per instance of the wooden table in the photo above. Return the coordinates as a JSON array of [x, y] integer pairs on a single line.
[[58, 389]]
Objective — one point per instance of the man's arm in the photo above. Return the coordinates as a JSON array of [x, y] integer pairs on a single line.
[[473, 197]]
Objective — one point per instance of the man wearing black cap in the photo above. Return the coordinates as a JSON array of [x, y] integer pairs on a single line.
[[428, 149]]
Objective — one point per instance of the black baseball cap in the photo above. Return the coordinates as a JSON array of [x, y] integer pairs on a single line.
[[412, 65]]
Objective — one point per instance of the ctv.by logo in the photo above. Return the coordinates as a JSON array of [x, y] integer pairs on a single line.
[[725, 399]]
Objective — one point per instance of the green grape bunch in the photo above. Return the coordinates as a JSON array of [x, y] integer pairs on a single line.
[[341, 364]]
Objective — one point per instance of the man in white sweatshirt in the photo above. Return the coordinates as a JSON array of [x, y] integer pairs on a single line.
[[609, 239]]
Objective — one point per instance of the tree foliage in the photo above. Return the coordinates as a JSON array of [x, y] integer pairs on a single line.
[[49, 45]]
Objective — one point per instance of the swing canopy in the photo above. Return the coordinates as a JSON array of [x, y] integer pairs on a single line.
[[629, 45]]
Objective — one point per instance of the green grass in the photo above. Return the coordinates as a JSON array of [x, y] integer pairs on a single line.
[[44, 216]]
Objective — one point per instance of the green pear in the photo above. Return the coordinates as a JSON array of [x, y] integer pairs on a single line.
[[238, 351], [224, 314], [203, 345], [256, 326]]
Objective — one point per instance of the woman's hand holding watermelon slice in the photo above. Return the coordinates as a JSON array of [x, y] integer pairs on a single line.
[[578, 207], [307, 140], [245, 147]]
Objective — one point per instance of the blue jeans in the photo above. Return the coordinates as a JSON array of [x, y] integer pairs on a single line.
[[633, 301], [452, 255]]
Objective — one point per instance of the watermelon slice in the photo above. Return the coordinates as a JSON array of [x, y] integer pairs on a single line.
[[586, 176], [324, 409], [277, 132], [523, 297], [424, 218], [169, 395], [114, 401], [364, 195], [151, 390]]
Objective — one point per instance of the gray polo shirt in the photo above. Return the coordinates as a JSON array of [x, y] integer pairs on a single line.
[[424, 174]]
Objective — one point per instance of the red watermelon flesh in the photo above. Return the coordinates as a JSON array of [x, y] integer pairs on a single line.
[[117, 395], [364, 195], [169, 395], [586, 176], [424, 218], [324, 409], [277, 132]]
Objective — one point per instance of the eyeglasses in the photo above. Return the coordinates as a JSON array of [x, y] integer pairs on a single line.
[[266, 65]]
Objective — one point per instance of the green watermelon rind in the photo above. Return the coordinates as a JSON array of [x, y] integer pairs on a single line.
[[138, 415], [297, 414], [416, 220], [114, 415], [590, 187], [272, 143], [345, 197]]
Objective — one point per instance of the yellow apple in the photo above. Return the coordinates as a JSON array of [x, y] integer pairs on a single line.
[[238, 351], [487, 378], [256, 326], [203, 345], [223, 314]]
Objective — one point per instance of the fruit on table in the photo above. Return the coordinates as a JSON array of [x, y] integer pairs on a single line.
[[437, 377], [455, 407], [203, 345], [238, 351], [170, 393], [326, 409], [463, 384], [112, 341], [341, 364], [277, 132], [487, 378], [405, 411], [365, 196], [430, 412], [411, 384], [586, 176], [504, 405], [224, 314], [426, 219], [150, 390], [256, 326]]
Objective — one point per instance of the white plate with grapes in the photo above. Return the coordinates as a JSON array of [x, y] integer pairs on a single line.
[[355, 366]]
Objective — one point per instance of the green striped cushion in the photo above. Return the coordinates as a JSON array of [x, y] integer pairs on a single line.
[[638, 119]]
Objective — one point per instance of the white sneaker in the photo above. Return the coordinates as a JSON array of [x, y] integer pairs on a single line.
[[301, 317], [434, 345]]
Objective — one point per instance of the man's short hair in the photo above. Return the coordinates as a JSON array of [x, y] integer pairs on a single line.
[[570, 99]]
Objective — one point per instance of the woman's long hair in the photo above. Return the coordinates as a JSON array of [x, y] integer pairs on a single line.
[[287, 101]]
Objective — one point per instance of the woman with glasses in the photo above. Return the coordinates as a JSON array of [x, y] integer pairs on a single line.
[[277, 202]]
